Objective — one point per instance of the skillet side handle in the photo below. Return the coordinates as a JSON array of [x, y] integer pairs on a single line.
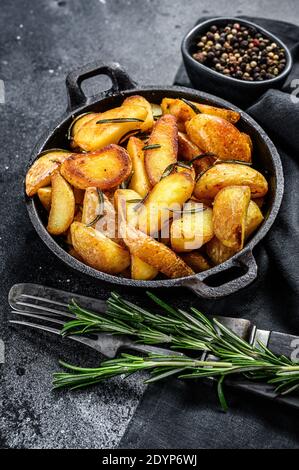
[[76, 96], [200, 288]]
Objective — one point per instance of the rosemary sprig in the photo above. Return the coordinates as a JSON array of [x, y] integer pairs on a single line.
[[101, 209], [191, 105], [151, 147], [118, 120], [178, 329], [193, 210], [169, 169]]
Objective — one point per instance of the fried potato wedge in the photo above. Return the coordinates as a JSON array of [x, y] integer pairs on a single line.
[[94, 135], [139, 181], [230, 174], [125, 201], [98, 212], [62, 205], [142, 271], [154, 253], [216, 135], [137, 100], [39, 174], [187, 150], [229, 215], [73, 253], [164, 134], [99, 251], [169, 194], [192, 230], [254, 218], [45, 196], [217, 252], [103, 169], [76, 125], [183, 112], [196, 261]]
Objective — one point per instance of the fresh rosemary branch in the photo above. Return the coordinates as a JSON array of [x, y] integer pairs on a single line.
[[180, 330]]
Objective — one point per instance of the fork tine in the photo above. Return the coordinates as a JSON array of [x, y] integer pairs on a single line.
[[39, 317], [45, 309], [86, 341], [50, 329], [43, 299]]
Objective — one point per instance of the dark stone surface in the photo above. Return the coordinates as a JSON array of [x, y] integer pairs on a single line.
[[41, 41]]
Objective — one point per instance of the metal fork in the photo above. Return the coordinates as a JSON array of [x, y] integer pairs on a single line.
[[36, 302]]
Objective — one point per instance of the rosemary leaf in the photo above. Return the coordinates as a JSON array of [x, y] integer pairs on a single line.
[[101, 209], [151, 147], [118, 120], [191, 105]]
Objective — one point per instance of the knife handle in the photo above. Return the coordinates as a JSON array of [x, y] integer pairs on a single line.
[[282, 343]]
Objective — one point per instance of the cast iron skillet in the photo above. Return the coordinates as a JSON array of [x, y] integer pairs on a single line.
[[207, 284]]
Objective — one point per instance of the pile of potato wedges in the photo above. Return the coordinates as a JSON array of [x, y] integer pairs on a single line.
[[147, 189]]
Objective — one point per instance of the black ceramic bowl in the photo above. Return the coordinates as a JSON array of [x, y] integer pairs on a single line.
[[210, 283], [239, 92]]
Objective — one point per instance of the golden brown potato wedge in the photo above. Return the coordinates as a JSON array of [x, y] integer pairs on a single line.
[[154, 253], [227, 114], [254, 218], [73, 253], [230, 174], [39, 174], [142, 271], [94, 135], [229, 215], [196, 261], [137, 100], [97, 250], [103, 169], [217, 252], [139, 181], [168, 195], [99, 213], [183, 112], [125, 202], [188, 151], [192, 230], [45, 195], [62, 205], [164, 134], [216, 135], [76, 125], [180, 110]]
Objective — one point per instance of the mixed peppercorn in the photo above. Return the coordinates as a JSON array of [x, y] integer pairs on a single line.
[[240, 52]]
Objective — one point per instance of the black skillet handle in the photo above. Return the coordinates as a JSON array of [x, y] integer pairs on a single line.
[[199, 287], [76, 96]]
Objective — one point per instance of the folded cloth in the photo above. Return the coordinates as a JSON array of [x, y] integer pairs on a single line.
[[175, 414]]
